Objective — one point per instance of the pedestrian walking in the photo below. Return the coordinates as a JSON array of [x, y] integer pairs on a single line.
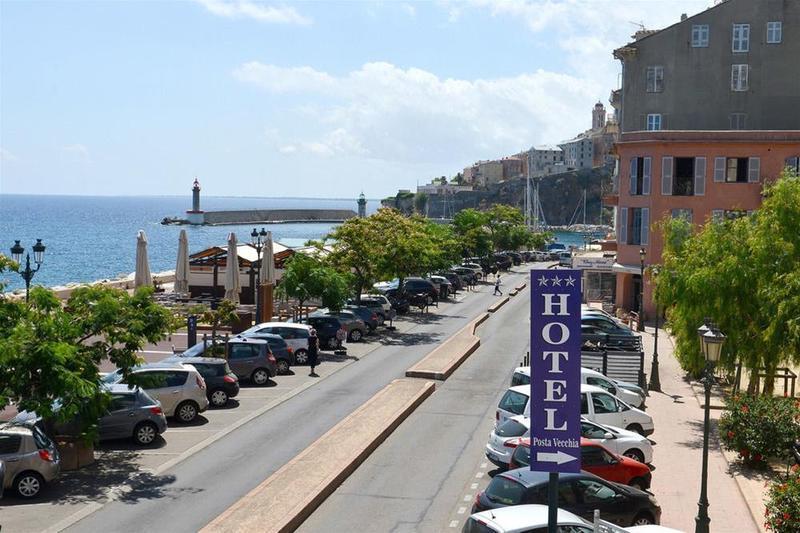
[[497, 285], [313, 351]]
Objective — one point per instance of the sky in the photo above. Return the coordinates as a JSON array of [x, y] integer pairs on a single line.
[[308, 99]]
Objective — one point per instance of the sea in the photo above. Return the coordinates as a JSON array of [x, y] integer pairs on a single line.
[[90, 238]]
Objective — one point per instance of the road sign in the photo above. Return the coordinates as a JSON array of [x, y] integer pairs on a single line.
[[555, 403]]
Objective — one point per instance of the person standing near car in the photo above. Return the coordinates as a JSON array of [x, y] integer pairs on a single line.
[[497, 285], [341, 336], [313, 351]]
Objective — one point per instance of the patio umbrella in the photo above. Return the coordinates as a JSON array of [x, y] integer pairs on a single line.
[[267, 272], [232, 283], [142, 276], [182, 266]]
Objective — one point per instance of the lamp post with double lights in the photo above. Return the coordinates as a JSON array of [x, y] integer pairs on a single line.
[[258, 239], [655, 379], [642, 254], [38, 257], [711, 340]]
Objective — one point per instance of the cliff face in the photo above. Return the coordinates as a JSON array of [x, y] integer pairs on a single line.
[[559, 194]]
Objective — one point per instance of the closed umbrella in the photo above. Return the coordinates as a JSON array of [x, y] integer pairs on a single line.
[[142, 277], [267, 272], [182, 266], [232, 284]]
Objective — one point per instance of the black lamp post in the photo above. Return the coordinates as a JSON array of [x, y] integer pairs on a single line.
[[258, 240], [655, 379], [642, 254], [711, 340], [38, 257]]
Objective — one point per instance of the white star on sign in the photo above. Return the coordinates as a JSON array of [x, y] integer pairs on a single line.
[[543, 281], [556, 281], [570, 281]]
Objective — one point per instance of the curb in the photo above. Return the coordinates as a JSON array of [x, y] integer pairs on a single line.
[[498, 304], [445, 358], [520, 287], [264, 508]]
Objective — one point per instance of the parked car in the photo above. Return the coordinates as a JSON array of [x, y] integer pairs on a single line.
[[295, 336], [378, 303], [456, 283], [524, 519], [503, 261], [618, 440], [598, 460], [421, 286], [355, 327], [580, 493], [248, 357], [475, 267], [179, 388], [326, 327], [522, 376], [366, 314], [596, 405], [565, 259], [280, 349], [2, 478], [503, 439], [31, 459], [515, 257], [442, 285], [604, 324], [467, 275], [221, 383]]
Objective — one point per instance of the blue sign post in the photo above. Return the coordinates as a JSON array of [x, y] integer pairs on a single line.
[[555, 376]]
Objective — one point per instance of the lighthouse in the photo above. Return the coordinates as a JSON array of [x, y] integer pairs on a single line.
[[362, 206], [195, 215]]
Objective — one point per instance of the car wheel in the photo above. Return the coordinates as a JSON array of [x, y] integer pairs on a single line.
[[260, 376], [355, 335], [283, 366], [145, 433], [28, 484], [218, 398], [643, 519], [634, 454], [636, 428], [186, 412], [301, 357]]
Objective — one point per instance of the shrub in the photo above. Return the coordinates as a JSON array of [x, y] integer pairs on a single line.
[[783, 504], [757, 427]]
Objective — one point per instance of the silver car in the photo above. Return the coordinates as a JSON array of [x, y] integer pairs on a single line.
[[179, 387], [30, 457]]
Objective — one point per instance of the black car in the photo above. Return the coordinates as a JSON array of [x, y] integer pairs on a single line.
[[326, 327], [454, 279], [503, 261], [577, 493], [373, 304], [368, 315], [283, 354], [221, 383]]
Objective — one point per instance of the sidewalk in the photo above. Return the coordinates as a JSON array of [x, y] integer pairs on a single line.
[[677, 456]]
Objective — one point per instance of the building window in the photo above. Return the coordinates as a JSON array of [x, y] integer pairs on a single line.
[[793, 163], [731, 214], [699, 35], [635, 233], [683, 213], [640, 175], [743, 169], [741, 37], [683, 181], [653, 122], [774, 32], [738, 121], [739, 77], [655, 79]]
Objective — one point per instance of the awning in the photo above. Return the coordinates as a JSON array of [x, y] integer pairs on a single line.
[[626, 269]]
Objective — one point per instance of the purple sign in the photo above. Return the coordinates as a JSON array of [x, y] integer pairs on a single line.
[[555, 370]]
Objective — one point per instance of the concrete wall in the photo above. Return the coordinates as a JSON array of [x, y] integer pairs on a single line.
[[274, 215], [697, 91]]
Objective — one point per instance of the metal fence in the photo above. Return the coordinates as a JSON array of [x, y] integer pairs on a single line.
[[619, 365]]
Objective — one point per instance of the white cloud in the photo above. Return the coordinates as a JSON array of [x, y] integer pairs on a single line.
[[235, 9], [283, 80], [6, 156]]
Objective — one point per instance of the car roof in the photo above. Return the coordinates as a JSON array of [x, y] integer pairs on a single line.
[[173, 365], [525, 516], [282, 324], [592, 388], [530, 478], [193, 360], [249, 340], [526, 371], [521, 419], [121, 388], [9, 427], [522, 389]]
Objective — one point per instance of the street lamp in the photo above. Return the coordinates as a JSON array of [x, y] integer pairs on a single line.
[[711, 340], [642, 254], [655, 380], [38, 257], [258, 240]]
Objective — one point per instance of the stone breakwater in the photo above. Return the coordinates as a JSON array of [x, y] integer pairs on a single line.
[[274, 216]]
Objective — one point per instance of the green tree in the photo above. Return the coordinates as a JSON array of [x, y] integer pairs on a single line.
[[470, 228], [355, 245], [743, 274], [306, 277], [51, 351]]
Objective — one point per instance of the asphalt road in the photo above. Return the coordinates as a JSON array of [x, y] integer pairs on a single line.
[[198, 489], [412, 481]]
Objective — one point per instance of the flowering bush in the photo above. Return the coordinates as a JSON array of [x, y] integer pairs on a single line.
[[757, 427], [783, 504]]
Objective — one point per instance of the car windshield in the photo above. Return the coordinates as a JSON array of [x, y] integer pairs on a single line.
[[474, 525], [513, 402], [196, 350], [520, 379], [112, 377], [42, 441], [511, 428], [522, 456], [505, 491]]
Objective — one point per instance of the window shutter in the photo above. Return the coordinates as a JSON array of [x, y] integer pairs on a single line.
[[717, 215], [699, 176], [622, 230], [666, 176], [754, 169], [646, 175], [645, 226], [719, 169], [634, 174]]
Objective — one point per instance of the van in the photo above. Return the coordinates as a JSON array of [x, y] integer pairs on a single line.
[[565, 259]]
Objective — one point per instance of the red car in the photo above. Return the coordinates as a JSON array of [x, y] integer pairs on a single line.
[[598, 460]]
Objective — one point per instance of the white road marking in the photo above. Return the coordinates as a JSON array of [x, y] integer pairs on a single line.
[[468, 498], [479, 475], [483, 465], [462, 510], [454, 523], [473, 486]]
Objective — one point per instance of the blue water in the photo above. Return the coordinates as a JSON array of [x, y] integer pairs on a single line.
[[92, 237]]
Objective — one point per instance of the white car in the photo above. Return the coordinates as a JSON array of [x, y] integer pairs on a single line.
[[475, 267], [522, 376], [503, 439], [523, 519], [620, 441], [596, 405], [295, 336]]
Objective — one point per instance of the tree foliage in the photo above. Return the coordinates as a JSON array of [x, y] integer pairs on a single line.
[[354, 247], [502, 227], [744, 274], [307, 277]]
